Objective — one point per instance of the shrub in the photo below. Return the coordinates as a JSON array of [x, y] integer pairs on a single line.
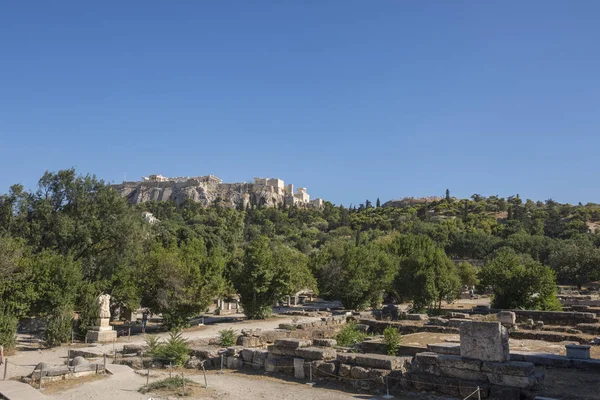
[[173, 383], [8, 331], [176, 349], [392, 339], [227, 337], [59, 326], [350, 335]]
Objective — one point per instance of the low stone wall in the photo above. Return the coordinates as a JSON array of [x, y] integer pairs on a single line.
[[405, 328], [449, 374], [557, 317]]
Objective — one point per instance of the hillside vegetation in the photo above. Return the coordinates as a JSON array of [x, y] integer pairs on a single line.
[[75, 237]]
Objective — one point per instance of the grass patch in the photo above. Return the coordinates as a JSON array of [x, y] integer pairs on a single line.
[[174, 384]]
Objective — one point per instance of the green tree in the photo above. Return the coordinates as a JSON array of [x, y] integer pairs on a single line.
[[355, 275], [258, 279], [467, 274], [519, 282], [378, 203], [180, 282], [576, 261]]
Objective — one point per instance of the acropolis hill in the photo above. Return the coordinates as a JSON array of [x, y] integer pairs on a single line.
[[208, 189]]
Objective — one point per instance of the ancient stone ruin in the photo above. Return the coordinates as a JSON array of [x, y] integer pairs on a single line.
[[103, 331], [208, 190]]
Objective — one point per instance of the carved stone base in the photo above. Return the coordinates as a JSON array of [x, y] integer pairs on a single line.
[[101, 336]]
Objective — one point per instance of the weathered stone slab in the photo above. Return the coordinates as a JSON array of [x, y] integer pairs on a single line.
[[507, 317], [293, 343], [427, 358], [487, 341], [521, 382], [234, 362], [437, 321], [379, 361], [248, 341], [247, 355], [205, 352], [457, 362], [444, 348], [577, 351], [359, 372], [346, 358], [344, 370], [516, 368], [325, 342], [456, 322], [454, 315], [299, 368], [258, 359], [417, 317], [316, 353]]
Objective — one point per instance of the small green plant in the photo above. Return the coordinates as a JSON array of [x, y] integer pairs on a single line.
[[392, 339], [175, 350], [173, 383], [350, 335], [227, 337]]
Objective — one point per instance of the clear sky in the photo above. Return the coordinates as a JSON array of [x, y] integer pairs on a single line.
[[352, 99]]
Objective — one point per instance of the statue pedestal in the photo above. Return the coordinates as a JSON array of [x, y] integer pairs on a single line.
[[103, 332]]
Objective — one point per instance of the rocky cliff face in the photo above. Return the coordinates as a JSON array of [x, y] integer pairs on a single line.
[[207, 193]]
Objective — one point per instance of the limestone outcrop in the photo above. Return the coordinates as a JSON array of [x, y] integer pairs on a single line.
[[210, 190]]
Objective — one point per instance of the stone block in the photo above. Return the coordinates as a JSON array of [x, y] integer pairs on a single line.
[[346, 358], [359, 372], [507, 317], [325, 342], [427, 358], [205, 352], [234, 362], [522, 382], [417, 317], [101, 336], [299, 368], [444, 348], [515, 368], [578, 351], [437, 321], [281, 351], [458, 315], [258, 358], [456, 322], [293, 343], [234, 350], [247, 355], [457, 362], [316, 353], [380, 361], [362, 327], [486, 341], [248, 341], [344, 370], [79, 361], [325, 368]]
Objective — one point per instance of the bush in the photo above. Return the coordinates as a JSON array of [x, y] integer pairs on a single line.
[[8, 331], [350, 335], [59, 327], [173, 383], [175, 350], [392, 339], [227, 337]]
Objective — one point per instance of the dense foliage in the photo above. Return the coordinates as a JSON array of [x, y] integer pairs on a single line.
[[75, 238]]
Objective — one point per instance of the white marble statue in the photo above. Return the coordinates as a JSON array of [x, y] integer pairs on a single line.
[[104, 305]]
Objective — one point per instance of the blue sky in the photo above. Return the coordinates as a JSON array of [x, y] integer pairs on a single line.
[[352, 99]]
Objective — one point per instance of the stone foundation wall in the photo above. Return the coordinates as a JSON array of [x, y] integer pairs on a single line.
[[557, 317]]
